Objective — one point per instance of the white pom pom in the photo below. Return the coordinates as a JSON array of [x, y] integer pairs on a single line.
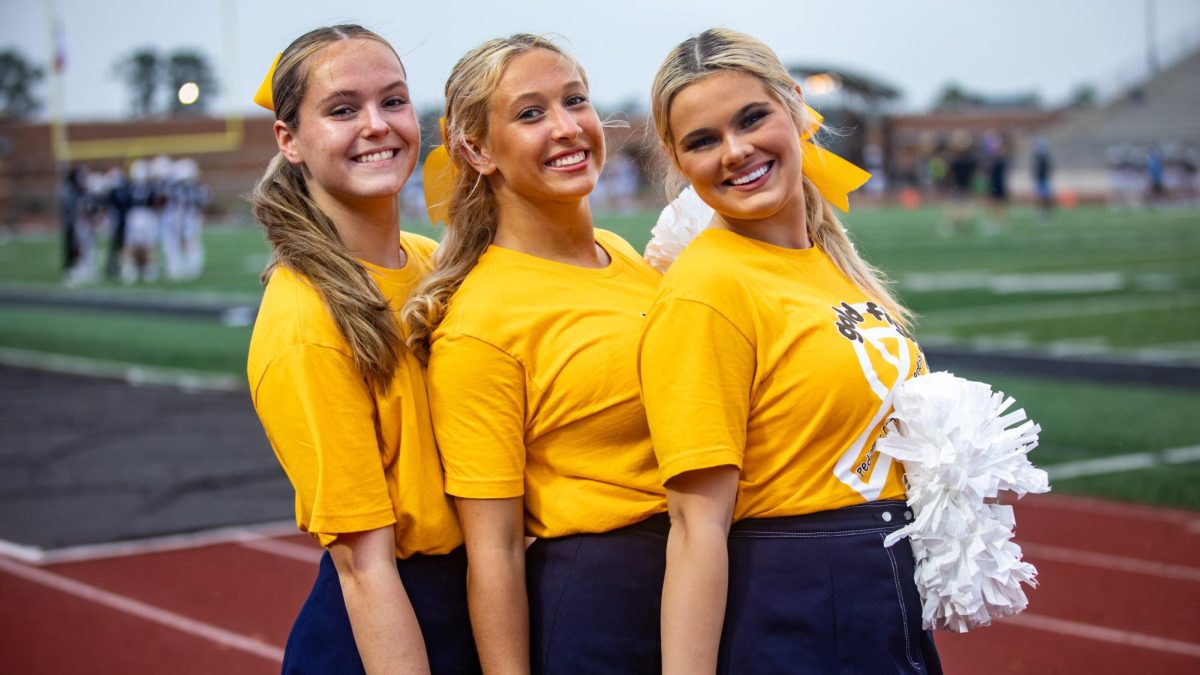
[[959, 450], [678, 224]]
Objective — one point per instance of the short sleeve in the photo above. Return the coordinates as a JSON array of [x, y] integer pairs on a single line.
[[477, 398], [696, 369], [320, 418]]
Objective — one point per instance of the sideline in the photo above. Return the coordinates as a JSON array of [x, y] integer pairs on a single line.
[[131, 373], [1120, 463], [172, 542]]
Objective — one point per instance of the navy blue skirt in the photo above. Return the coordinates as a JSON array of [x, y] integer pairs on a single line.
[[594, 600], [820, 593], [322, 642]]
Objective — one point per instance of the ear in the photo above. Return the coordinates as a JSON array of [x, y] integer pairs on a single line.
[[478, 156], [799, 94], [288, 143]]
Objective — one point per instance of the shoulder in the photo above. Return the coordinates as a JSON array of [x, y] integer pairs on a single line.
[[614, 243], [710, 268], [293, 312], [418, 247]]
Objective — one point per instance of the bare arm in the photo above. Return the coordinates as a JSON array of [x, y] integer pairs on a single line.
[[494, 530], [385, 627], [693, 605]]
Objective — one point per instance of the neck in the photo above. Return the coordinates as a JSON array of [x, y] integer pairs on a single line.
[[370, 228], [786, 228], [559, 231]]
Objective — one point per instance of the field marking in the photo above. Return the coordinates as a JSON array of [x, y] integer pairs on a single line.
[[121, 603], [1109, 562], [131, 373], [1104, 634], [1058, 309], [285, 549], [34, 555], [1113, 509], [1120, 463]]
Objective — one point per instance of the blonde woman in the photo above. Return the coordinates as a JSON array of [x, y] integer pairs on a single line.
[[531, 319], [342, 400], [767, 366]]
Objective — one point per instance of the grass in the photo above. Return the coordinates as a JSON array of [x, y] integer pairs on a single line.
[[1122, 280]]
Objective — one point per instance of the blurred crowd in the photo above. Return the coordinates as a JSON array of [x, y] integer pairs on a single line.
[[1152, 176], [151, 216]]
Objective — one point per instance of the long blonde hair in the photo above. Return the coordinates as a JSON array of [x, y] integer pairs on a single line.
[[304, 239], [472, 209], [720, 49]]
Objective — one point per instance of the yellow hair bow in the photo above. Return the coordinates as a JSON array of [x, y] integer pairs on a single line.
[[834, 177], [263, 96], [439, 175]]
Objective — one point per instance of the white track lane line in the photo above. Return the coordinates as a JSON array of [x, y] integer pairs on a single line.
[[285, 549], [140, 609], [171, 542], [1104, 634], [1119, 463], [1114, 563]]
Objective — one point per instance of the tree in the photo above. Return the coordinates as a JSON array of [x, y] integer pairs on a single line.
[[141, 70], [18, 77], [183, 66], [1084, 97]]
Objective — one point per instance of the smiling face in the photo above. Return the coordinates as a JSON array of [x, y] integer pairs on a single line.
[[357, 135], [738, 146], [544, 139]]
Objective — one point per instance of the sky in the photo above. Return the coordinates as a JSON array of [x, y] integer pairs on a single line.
[[999, 48]]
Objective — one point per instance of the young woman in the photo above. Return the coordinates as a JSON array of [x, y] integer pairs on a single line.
[[531, 318], [767, 365], [342, 400]]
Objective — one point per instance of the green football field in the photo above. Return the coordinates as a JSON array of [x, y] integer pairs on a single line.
[[1087, 284]]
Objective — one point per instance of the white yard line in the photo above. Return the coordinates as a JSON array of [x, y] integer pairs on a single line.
[[1120, 463], [1056, 309], [127, 605], [132, 373], [1104, 634]]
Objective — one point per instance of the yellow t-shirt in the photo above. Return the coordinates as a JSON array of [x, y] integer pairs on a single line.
[[533, 385], [771, 360], [358, 460]]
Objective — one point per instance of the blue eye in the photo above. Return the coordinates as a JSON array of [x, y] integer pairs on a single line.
[[341, 111], [577, 99], [529, 114], [697, 143], [395, 102], [753, 117]]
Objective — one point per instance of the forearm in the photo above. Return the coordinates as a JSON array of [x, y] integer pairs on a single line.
[[499, 609], [694, 592], [385, 626]]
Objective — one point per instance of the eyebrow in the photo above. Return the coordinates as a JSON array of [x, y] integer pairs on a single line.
[[695, 133], [535, 95], [343, 94]]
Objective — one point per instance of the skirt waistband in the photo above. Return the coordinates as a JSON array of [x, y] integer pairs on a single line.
[[880, 516]]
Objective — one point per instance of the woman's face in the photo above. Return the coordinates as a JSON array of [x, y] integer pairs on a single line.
[[737, 145], [357, 133], [544, 140]]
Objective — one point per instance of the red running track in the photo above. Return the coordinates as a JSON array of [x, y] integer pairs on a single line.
[[1119, 593]]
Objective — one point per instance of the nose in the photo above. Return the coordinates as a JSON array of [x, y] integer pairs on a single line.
[[736, 150], [563, 125], [373, 122]]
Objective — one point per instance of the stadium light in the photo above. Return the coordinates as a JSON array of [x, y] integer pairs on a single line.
[[189, 93], [820, 84]]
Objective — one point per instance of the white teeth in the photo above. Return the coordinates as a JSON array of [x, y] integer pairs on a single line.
[[752, 176], [375, 156], [569, 160]]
